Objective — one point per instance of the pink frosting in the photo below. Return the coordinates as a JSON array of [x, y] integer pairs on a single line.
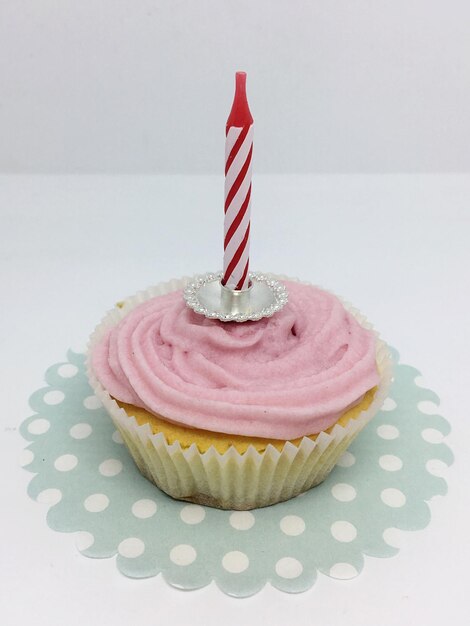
[[282, 377]]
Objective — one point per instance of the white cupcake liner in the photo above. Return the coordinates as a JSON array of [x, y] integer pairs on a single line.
[[232, 480]]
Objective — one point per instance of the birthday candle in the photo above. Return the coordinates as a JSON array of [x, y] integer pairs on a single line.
[[238, 153]]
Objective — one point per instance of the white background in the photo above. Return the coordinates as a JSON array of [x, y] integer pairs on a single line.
[[396, 246], [125, 87], [136, 86]]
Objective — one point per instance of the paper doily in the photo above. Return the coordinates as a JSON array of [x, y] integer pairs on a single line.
[[380, 484]]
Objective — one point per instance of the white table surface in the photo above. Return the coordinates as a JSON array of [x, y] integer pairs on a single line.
[[396, 246]]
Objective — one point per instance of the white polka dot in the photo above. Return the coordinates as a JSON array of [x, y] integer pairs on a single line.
[[242, 520], [288, 567], [110, 467], [420, 382], [393, 497], [26, 457], [117, 437], [343, 492], [343, 531], [436, 467], [393, 537], [54, 397], [39, 426], [144, 508], [292, 525], [347, 459], [390, 462], [91, 402], [131, 548], [235, 562], [96, 503], [192, 514], [432, 435], [183, 554], [343, 571], [84, 540], [387, 431], [389, 404], [66, 462], [78, 349], [80, 431], [50, 496], [428, 407], [67, 370]]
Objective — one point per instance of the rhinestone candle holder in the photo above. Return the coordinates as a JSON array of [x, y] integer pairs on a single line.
[[206, 296]]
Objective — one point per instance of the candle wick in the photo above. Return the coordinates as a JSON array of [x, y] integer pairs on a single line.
[[240, 114]]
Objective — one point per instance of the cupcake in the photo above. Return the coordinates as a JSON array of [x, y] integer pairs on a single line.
[[237, 416]]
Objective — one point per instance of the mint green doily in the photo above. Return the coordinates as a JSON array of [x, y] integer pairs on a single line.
[[85, 473]]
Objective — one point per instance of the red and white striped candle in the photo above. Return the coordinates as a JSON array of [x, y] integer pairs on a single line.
[[238, 153]]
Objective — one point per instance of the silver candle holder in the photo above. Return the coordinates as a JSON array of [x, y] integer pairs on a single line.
[[207, 296]]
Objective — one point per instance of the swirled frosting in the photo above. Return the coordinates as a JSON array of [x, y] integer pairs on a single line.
[[282, 377]]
